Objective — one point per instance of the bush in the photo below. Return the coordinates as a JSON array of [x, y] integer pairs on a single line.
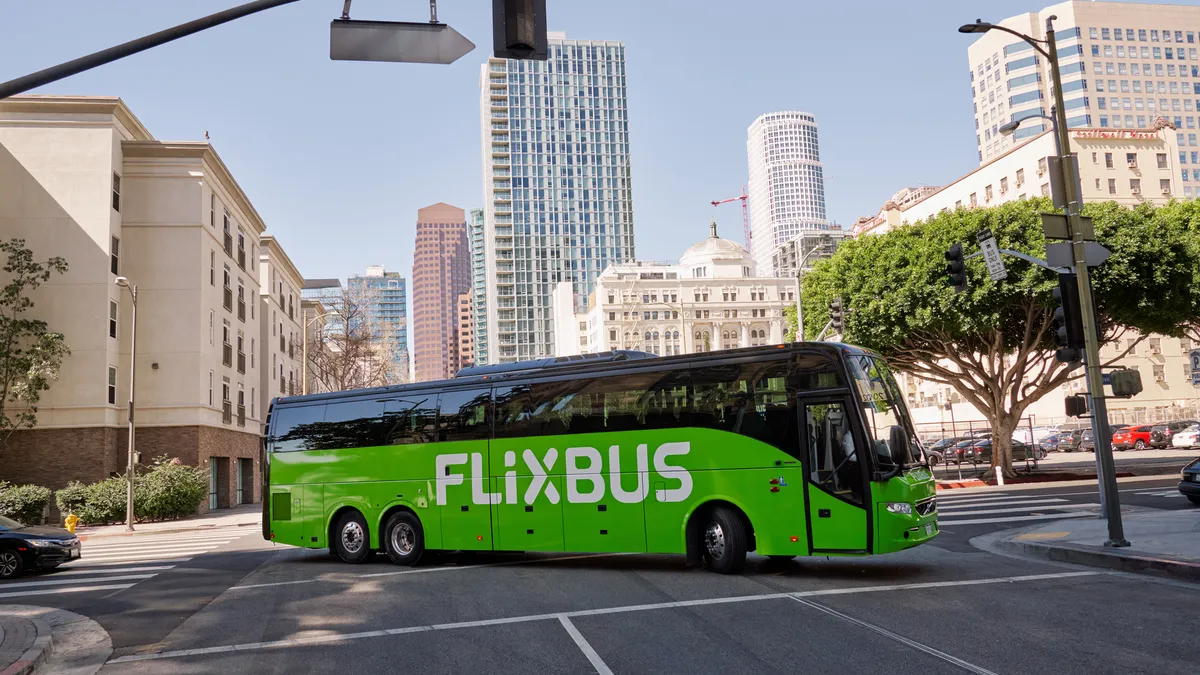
[[104, 502], [25, 503], [71, 498], [169, 490]]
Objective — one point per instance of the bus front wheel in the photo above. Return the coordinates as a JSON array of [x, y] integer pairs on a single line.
[[351, 538], [404, 539], [724, 541]]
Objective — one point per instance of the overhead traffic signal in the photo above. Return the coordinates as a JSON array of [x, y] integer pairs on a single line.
[[956, 268], [1068, 320], [519, 29], [837, 319]]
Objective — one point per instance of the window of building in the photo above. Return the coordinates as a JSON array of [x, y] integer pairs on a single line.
[[1131, 159], [114, 263], [1160, 373], [1135, 185], [112, 319], [1164, 185], [212, 222], [116, 192], [987, 193], [974, 200], [112, 385], [1112, 186], [252, 352], [211, 319], [210, 387], [1108, 160]]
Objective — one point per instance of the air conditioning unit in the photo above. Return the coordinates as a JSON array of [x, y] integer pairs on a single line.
[[1166, 191], [1133, 165], [1160, 378], [1041, 171], [1156, 350], [1136, 191]]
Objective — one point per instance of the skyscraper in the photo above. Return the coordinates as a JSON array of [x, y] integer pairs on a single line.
[[441, 272], [475, 233], [787, 183], [558, 202], [1123, 65], [384, 295]]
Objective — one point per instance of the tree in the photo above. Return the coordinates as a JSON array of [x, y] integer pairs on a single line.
[[994, 344], [30, 354], [361, 350]]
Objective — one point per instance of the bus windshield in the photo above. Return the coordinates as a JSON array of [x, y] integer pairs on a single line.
[[883, 407]]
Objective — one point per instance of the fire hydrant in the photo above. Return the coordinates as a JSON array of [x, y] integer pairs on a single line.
[[71, 521]]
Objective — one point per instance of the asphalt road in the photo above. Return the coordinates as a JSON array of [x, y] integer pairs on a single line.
[[244, 605]]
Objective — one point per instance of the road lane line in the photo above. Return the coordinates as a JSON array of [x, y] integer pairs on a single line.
[[1017, 509], [950, 506], [148, 549], [969, 667], [81, 566], [295, 642], [145, 555], [64, 582], [66, 572], [997, 500], [69, 589], [581, 642], [1013, 519]]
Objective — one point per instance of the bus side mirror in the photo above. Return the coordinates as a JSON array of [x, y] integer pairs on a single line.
[[898, 442]]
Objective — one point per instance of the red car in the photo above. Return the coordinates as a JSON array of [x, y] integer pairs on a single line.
[[1136, 437]]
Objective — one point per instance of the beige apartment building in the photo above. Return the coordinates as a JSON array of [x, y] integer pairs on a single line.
[[1123, 64], [466, 330], [82, 178], [280, 330]]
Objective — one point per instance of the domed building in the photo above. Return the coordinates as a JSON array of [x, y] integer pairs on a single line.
[[712, 299]]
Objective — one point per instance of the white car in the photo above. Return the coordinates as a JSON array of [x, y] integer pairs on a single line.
[[1187, 438]]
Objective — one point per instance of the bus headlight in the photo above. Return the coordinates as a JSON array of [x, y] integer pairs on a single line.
[[903, 508]]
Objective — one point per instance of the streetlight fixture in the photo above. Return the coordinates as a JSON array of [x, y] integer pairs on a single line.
[[123, 282], [1074, 202], [1010, 127], [304, 349], [800, 290]]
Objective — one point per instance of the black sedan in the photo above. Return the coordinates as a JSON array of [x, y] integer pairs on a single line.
[[31, 547], [1189, 484], [981, 452]]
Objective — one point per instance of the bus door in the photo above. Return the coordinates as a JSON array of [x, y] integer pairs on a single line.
[[836, 489]]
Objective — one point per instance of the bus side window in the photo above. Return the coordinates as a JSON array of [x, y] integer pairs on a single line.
[[462, 415], [750, 399], [514, 411], [654, 400], [556, 407], [813, 371], [296, 427], [410, 420]]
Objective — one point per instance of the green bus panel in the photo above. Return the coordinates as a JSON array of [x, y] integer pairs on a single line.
[[301, 504], [606, 526], [836, 524], [528, 527]]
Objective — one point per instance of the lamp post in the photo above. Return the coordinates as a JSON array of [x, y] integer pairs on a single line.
[[1010, 127], [123, 282], [800, 288], [304, 349], [1074, 202]]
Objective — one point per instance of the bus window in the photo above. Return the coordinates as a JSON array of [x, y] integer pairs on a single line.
[[514, 411], [351, 424], [410, 420], [882, 406], [654, 400], [834, 459], [295, 428], [750, 399], [462, 415], [814, 371], [556, 405]]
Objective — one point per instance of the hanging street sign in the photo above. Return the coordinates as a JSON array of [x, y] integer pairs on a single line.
[[1059, 254], [1054, 225], [396, 41], [991, 255]]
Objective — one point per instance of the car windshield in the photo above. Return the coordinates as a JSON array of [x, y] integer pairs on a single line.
[[1192, 429], [7, 523], [882, 405]]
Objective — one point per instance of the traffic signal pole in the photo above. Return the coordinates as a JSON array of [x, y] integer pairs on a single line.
[[1095, 379]]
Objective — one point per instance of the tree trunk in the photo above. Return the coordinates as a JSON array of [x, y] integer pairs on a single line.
[[1003, 427]]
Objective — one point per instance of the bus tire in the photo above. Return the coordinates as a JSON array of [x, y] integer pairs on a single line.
[[403, 538], [351, 538], [724, 541], [781, 558]]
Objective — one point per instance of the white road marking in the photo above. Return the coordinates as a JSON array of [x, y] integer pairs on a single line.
[[980, 521], [1019, 509], [71, 571], [961, 506], [64, 582], [996, 499], [152, 547], [69, 589], [597, 662], [133, 557], [83, 564], [1162, 493], [342, 637], [970, 667]]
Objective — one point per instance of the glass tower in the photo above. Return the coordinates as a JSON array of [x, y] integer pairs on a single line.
[[558, 202], [385, 292], [478, 283]]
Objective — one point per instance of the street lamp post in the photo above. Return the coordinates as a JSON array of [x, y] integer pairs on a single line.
[[1010, 127], [304, 349], [800, 288], [123, 282], [1074, 202]]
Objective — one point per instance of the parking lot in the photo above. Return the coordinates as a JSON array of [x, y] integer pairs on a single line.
[[927, 610]]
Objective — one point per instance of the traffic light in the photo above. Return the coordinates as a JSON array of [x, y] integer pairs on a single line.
[[1076, 405], [1068, 320], [836, 318], [519, 29], [956, 268], [1126, 382]]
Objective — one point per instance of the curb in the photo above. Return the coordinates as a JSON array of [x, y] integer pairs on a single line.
[[38, 652], [1087, 555], [173, 530]]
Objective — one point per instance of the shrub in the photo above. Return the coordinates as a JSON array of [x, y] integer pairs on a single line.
[[23, 502], [169, 490], [71, 498], [104, 502]]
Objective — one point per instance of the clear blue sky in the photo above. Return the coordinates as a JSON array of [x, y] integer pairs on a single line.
[[338, 156]]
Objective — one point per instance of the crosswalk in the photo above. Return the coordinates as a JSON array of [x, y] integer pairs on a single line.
[[1172, 493], [116, 563], [997, 507]]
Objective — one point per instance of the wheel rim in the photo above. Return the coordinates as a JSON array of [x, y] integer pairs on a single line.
[[8, 563], [352, 537], [714, 541], [404, 539]]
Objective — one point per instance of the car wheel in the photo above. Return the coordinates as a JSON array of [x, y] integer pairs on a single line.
[[404, 538], [10, 564], [723, 540], [351, 538], [1193, 499], [1139, 445]]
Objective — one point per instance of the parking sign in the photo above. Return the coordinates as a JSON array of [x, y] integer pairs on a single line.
[[1195, 355]]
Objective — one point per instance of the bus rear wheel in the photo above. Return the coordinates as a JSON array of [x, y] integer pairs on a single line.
[[404, 539], [351, 538], [723, 541]]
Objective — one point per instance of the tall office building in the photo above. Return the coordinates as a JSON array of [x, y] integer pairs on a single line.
[[787, 183], [441, 271], [475, 233], [1123, 65], [558, 202], [384, 295]]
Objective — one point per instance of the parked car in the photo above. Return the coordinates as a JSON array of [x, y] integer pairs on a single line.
[[980, 452], [1086, 442], [1164, 433], [1063, 441], [1188, 437], [30, 547], [1189, 482], [1136, 437]]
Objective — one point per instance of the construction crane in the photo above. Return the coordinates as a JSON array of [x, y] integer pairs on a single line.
[[744, 198]]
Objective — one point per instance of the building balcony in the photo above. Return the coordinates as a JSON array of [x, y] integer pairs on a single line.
[[241, 362], [227, 354], [241, 415], [500, 138], [502, 184], [498, 80], [498, 68], [497, 115], [499, 126], [501, 173], [227, 412]]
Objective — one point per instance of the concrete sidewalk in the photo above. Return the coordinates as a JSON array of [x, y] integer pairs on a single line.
[[1164, 543], [25, 643], [245, 515], [56, 641]]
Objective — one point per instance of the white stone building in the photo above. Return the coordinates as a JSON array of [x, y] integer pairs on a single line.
[[712, 299], [280, 331]]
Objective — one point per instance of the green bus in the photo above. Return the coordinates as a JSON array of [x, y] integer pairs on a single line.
[[785, 450]]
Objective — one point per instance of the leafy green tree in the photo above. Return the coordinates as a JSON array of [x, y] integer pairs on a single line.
[[994, 344], [30, 354]]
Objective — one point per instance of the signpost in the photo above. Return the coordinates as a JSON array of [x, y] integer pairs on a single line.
[[1195, 356], [991, 255]]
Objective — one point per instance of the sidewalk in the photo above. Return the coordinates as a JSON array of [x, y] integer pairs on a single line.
[[49, 640], [1164, 543], [245, 515], [24, 644]]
